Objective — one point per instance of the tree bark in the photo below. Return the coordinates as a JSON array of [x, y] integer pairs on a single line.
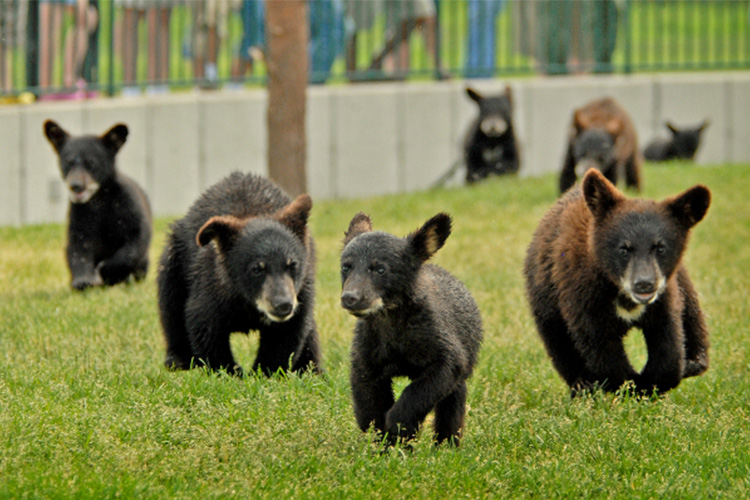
[[287, 63]]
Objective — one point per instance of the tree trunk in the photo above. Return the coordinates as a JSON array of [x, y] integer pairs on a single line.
[[286, 38]]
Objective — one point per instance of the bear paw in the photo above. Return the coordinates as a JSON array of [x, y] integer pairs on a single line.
[[84, 282]]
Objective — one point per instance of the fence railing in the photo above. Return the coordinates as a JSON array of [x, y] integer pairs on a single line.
[[80, 48]]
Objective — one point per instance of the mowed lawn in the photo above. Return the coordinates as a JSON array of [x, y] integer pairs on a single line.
[[88, 411]]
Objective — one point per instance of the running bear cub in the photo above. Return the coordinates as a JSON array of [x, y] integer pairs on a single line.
[[241, 259], [602, 136], [109, 217], [415, 320], [600, 263]]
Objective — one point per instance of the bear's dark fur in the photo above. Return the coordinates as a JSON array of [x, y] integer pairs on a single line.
[[682, 144], [490, 146], [109, 218], [241, 259], [599, 264], [602, 136], [415, 320]]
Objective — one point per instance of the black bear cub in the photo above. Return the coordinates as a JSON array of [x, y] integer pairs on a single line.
[[241, 259], [603, 137], [109, 217], [599, 264], [490, 146], [415, 320], [682, 144]]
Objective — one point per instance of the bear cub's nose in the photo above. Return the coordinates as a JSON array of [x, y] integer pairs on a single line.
[[349, 299], [643, 287]]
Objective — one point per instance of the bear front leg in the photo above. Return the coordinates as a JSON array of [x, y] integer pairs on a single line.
[[633, 172], [694, 328], [417, 399], [209, 335], [212, 349], [558, 343], [125, 261], [666, 355], [449, 416], [509, 163], [568, 173], [372, 397], [283, 345], [173, 295], [607, 364], [83, 271], [307, 356], [476, 168]]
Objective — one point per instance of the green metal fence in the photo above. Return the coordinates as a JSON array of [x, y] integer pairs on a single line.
[[82, 48]]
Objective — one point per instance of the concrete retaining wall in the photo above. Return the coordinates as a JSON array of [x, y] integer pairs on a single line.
[[363, 140]]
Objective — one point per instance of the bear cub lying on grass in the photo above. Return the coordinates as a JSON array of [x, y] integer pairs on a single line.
[[599, 264], [681, 145], [415, 320], [109, 218], [241, 259]]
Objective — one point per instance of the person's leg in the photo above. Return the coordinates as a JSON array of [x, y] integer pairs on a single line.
[[76, 41], [130, 45], [50, 19]]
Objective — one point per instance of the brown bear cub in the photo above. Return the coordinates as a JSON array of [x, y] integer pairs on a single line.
[[109, 218], [599, 264], [415, 320], [603, 137], [241, 259]]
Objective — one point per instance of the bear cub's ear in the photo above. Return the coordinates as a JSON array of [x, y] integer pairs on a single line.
[[474, 95], [115, 137], [431, 237], [613, 126], [295, 215], [690, 207], [600, 194], [359, 224], [222, 228], [509, 94], [55, 135], [580, 121]]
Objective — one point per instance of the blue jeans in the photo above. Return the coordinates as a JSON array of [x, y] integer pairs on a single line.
[[481, 56]]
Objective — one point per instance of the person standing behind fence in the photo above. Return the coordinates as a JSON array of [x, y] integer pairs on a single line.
[[209, 30], [156, 14], [250, 49], [576, 36], [73, 49], [481, 56], [360, 16], [12, 40], [403, 17], [326, 37]]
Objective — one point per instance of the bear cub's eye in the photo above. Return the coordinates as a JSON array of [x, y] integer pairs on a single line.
[[258, 268], [659, 248], [625, 249], [345, 268], [291, 265], [378, 268]]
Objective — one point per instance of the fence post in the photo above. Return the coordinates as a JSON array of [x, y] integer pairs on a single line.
[[32, 48], [111, 69], [628, 67]]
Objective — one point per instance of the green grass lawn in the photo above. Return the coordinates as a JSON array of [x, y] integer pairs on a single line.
[[88, 411]]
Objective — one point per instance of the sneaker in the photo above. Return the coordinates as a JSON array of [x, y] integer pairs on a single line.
[[131, 91]]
